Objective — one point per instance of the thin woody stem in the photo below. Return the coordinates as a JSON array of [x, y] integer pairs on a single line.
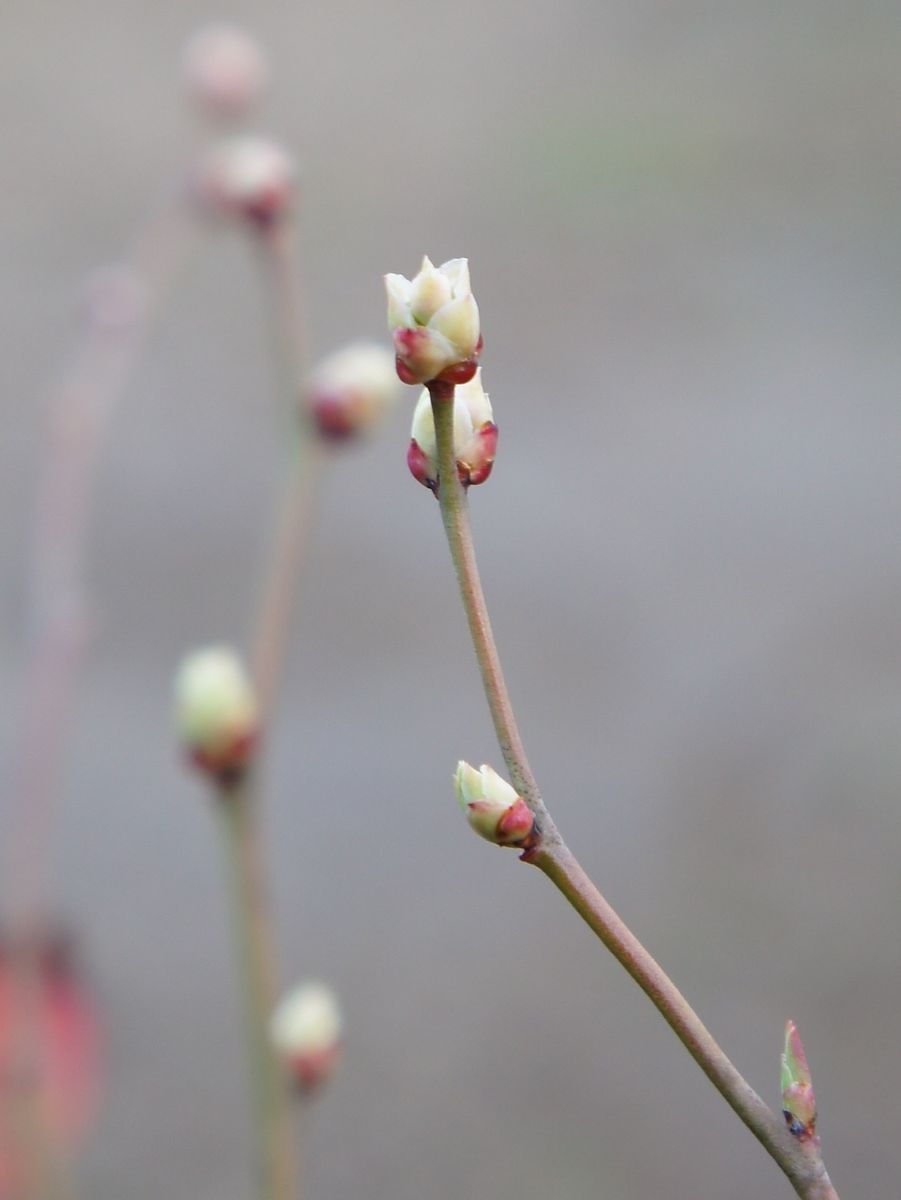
[[278, 596], [276, 1159], [293, 519], [800, 1161]]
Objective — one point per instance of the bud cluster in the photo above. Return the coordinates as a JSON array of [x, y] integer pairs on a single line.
[[434, 321]]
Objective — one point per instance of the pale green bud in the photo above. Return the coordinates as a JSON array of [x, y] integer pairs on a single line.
[[493, 808], [216, 712], [799, 1104], [305, 1032], [475, 436], [351, 390], [434, 320], [430, 290]]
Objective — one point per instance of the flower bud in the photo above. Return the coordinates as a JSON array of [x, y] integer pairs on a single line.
[[434, 320], [492, 807], [247, 178], [306, 1034], [224, 70], [799, 1104], [475, 436], [351, 390], [46, 1003], [216, 713]]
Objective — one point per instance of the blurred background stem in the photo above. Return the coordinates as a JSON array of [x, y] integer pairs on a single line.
[[276, 1159], [800, 1161], [242, 808], [119, 305], [292, 521]]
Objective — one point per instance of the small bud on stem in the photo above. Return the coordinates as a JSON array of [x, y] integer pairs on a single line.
[[247, 178], [475, 436], [799, 1104], [306, 1034], [217, 714], [224, 70], [350, 391], [492, 807]]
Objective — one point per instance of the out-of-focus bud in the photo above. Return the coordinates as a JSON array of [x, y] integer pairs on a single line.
[[216, 713], [799, 1104], [247, 178], [225, 70], [50, 1042], [351, 390], [475, 436], [306, 1034], [492, 807], [434, 321]]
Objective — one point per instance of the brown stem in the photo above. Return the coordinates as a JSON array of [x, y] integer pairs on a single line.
[[278, 592], [801, 1162], [278, 597], [276, 1159]]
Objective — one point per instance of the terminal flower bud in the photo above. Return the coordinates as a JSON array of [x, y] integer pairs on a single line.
[[351, 390], [216, 713], [434, 321], [305, 1032], [224, 70], [799, 1104], [475, 436], [247, 178], [492, 807]]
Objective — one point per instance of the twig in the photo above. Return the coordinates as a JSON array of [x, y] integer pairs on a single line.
[[277, 1151], [800, 1161], [277, 604]]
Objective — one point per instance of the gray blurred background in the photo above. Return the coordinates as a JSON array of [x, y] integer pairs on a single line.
[[683, 227]]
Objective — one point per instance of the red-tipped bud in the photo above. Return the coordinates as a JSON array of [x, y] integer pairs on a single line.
[[434, 321], [351, 391], [247, 178], [225, 70], [799, 1104], [306, 1034], [475, 436], [49, 1029], [492, 806], [216, 713]]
